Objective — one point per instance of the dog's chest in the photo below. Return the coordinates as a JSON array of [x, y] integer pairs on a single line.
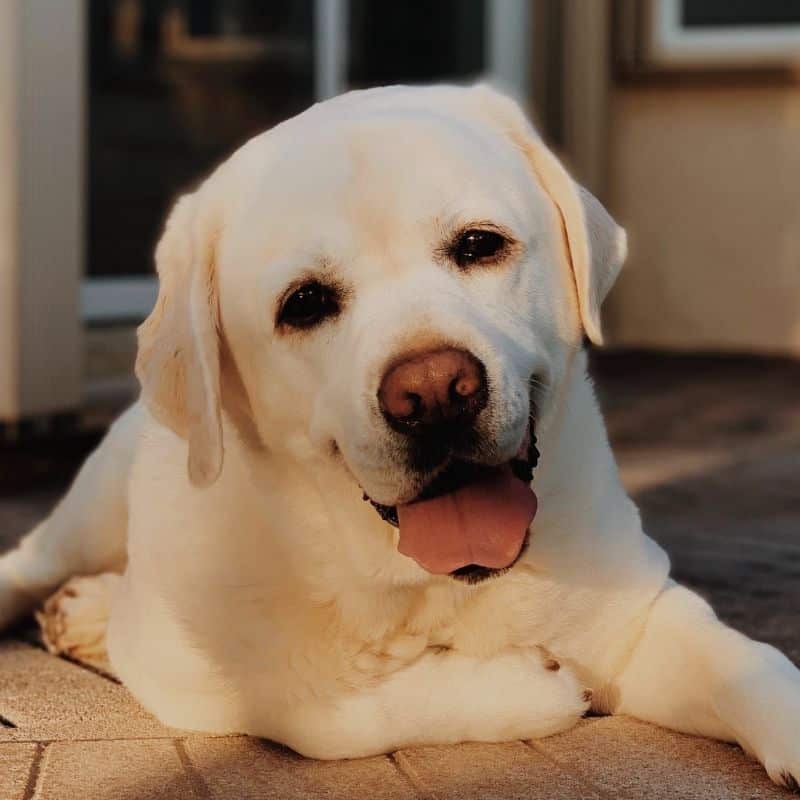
[[390, 634]]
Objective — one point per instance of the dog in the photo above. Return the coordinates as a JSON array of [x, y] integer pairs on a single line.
[[366, 499]]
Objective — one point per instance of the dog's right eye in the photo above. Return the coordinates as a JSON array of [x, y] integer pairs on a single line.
[[308, 305]]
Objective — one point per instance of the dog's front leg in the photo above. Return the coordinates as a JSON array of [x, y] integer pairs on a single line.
[[444, 697], [692, 673]]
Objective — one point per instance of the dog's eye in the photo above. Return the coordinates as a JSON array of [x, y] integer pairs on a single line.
[[308, 305], [475, 245]]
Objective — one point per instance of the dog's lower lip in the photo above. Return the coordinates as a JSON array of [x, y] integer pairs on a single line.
[[386, 513], [475, 573]]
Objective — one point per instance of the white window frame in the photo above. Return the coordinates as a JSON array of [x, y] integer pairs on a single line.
[[670, 44], [508, 25]]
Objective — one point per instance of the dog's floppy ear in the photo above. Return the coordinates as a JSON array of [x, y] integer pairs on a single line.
[[597, 246], [178, 359]]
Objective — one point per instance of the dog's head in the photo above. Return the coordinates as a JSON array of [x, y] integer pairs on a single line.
[[394, 281]]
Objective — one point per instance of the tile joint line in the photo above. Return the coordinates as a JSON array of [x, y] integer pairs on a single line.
[[403, 766], [35, 772], [196, 780], [570, 770]]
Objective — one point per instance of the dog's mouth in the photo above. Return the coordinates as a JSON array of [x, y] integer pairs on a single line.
[[471, 521]]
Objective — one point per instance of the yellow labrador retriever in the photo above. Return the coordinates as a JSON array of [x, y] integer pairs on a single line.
[[369, 326]]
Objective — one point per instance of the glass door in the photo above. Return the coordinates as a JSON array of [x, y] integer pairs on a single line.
[[177, 85], [174, 87]]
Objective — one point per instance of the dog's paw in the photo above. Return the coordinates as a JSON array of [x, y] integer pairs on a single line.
[[782, 763], [547, 693], [783, 775], [773, 732], [790, 782], [73, 621]]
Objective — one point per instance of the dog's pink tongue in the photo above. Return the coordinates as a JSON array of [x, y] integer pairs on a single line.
[[482, 523]]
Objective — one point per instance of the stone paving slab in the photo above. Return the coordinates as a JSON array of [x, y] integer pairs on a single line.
[[91, 741], [511, 771], [16, 761], [47, 698], [114, 770], [599, 760], [631, 759], [249, 769]]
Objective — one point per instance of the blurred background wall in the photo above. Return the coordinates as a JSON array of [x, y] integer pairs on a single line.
[[683, 116]]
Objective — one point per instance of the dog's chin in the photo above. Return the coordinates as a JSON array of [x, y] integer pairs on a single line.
[[457, 474]]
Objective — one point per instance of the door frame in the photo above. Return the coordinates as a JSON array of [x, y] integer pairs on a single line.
[[42, 179]]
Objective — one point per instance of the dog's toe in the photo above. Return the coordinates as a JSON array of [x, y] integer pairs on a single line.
[[790, 782], [73, 621]]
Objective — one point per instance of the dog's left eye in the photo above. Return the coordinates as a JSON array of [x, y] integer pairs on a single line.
[[475, 246], [308, 305]]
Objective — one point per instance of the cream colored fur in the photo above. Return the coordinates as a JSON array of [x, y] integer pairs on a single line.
[[259, 593]]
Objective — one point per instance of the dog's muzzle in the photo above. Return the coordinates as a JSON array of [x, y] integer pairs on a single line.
[[469, 509]]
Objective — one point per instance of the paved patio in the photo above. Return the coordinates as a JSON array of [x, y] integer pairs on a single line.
[[711, 451]]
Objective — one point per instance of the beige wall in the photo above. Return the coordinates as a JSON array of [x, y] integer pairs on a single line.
[[707, 182], [8, 209]]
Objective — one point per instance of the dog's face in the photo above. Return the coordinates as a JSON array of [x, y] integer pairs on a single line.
[[400, 278], [399, 240]]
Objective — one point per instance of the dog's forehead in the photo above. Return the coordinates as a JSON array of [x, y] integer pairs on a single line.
[[407, 158], [347, 180], [399, 162]]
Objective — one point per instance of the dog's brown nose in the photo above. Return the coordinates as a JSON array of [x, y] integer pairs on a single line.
[[446, 386]]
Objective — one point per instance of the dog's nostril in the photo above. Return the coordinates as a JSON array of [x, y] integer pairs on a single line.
[[415, 409], [464, 386]]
